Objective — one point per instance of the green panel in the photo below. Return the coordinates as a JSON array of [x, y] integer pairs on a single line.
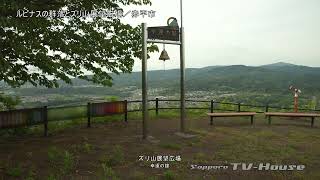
[[67, 113], [35, 116]]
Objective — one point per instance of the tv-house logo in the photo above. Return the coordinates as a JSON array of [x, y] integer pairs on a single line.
[[266, 167], [250, 166]]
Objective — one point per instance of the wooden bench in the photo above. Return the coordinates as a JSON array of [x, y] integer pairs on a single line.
[[311, 115], [234, 114]]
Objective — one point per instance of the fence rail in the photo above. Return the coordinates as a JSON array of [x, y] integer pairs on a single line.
[[43, 115], [238, 106]]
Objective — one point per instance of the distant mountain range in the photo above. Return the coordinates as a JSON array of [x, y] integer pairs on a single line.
[[279, 64], [267, 78]]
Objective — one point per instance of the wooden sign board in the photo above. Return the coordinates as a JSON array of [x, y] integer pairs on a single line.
[[164, 33], [23, 117]]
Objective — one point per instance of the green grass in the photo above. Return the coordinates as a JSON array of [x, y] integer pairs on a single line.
[[199, 132], [15, 171], [115, 158], [242, 145], [66, 118], [52, 177], [84, 147], [169, 175], [68, 162], [108, 173], [153, 178], [87, 147], [231, 142], [196, 141], [53, 156], [61, 161], [172, 146], [64, 113], [268, 145], [200, 157], [31, 175], [138, 175]]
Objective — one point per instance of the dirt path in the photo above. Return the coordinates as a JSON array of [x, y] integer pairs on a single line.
[[79, 152]]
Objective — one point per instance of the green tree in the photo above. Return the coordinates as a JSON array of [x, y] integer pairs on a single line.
[[42, 51], [312, 103], [8, 102], [111, 98]]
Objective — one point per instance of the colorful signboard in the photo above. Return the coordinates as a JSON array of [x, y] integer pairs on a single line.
[[17, 118], [108, 108]]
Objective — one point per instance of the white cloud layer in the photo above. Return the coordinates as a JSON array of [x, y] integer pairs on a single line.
[[250, 32]]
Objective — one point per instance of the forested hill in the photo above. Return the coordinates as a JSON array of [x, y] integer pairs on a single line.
[[268, 78]]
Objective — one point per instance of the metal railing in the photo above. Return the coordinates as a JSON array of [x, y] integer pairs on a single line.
[[43, 115], [216, 106]]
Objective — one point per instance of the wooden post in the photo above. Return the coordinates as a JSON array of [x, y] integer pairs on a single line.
[[267, 109], [251, 120], [45, 120], [239, 107], [211, 110], [312, 121], [126, 111], [295, 104], [269, 119], [89, 115], [157, 106], [211, 120]]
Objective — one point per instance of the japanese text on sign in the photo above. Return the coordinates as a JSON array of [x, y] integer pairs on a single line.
[[23, 13], [164, 33]]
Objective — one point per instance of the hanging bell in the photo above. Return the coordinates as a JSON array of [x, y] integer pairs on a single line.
[[164, 55], [173, 23]]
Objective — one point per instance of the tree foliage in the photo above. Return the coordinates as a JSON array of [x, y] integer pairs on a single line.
[[44, 50], [8, 102]]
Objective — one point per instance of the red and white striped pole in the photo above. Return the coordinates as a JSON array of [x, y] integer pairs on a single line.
[[295, 103], [296, 97]]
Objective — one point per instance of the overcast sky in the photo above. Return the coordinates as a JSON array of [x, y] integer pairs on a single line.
[[249, 32]]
